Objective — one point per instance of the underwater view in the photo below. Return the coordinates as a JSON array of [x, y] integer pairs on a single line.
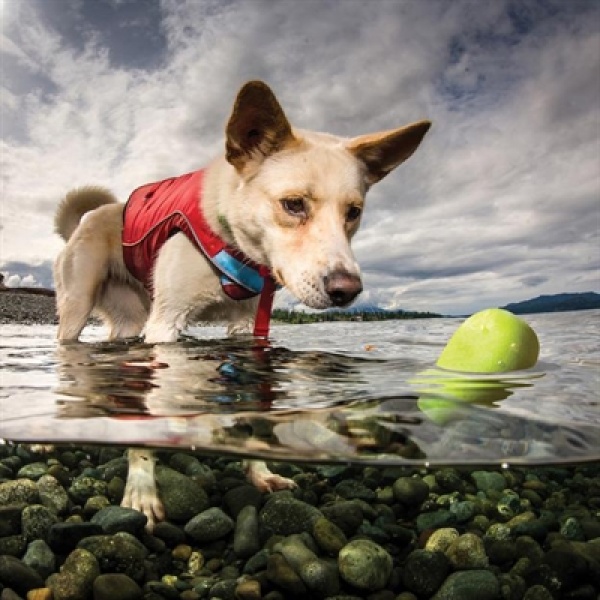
[[409, 481]]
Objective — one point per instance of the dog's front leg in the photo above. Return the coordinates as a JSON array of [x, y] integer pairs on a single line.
[[263, 479], [140, 490]]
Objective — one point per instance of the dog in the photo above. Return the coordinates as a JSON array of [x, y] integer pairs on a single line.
[[281, 205]]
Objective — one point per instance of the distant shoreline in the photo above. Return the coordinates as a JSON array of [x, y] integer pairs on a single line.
[[37, 306], [27, 306]]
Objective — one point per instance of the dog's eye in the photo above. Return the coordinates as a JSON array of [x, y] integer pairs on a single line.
[[353, 213], [294, 206]]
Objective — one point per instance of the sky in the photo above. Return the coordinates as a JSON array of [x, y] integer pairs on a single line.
[[501, 202]]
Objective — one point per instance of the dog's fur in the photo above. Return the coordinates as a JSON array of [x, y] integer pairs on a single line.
[[287, 198]]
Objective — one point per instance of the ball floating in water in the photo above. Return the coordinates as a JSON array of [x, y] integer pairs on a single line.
[[491, 341]]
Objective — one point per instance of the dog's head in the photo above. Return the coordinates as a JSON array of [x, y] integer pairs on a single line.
[[301, 194]]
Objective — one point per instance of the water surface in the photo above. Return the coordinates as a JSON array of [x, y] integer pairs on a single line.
[[363, 393]]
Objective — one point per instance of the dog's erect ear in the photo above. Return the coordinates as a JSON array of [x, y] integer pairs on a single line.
[[257, 127], [382, 152]]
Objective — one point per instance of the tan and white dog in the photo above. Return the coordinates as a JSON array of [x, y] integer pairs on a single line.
[[286, 198]]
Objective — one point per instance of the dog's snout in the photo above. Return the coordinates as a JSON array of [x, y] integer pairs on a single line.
[[342, 287]]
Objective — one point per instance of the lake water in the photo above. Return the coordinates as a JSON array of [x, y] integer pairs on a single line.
[[363, 393]]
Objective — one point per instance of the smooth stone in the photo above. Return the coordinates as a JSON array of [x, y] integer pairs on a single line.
[[441, 539], [349, 489], [487, 481], [113, 519], [64, 537], [40, 557], [295, 552], [36, 521], [116, 586], [257, 562], [241, 496], [284, 515], [464, 510], [435, 520], [245, 538], [10, 520], [18, 576], [13, 545], [249, 589], [170, 534], [19, 491], [469, 585], [347, 515], [52, 494], [328, 536], [321, 578], [76, 577], [118, 553], [410, 491], [281, 574], [365, 565], [33, 471], [224, 589], [210, 525], [182, 497], [84, 488], [424, 572], [467, 552]]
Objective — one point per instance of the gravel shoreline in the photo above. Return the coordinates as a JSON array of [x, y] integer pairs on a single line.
[[344, 533], [27, 308]]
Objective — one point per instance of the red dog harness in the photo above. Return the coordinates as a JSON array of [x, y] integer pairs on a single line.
[[156, 211]]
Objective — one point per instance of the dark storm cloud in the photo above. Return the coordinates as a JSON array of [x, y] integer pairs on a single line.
[[502, 195]]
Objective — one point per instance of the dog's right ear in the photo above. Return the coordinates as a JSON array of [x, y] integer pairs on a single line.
[[257, 127]]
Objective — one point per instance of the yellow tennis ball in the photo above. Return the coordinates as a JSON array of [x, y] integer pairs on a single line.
[[491, 341]]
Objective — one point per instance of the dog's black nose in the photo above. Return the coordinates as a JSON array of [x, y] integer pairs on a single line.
[[342, 287]]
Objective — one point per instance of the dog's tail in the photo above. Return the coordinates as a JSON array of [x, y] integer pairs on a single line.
[[75, 204]]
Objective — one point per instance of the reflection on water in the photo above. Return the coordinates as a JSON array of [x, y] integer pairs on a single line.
[[373, 396]]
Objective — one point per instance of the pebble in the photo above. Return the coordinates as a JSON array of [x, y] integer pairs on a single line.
[[40, 557], [118, 553], [424, 572], [487, 481], [18, 491], [18, 576], [52, 494], [116, 586], [76, 577], [410, 491], [344, 533], [467, 552], [210, 525], [245, 539], [469, 585], [328, 536], [365, 565], [113, 519], [284, 515], [36, 521], [182, 497]]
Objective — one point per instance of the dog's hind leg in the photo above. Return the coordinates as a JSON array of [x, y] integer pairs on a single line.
[[76, 287], [124, 308], [140, 490]]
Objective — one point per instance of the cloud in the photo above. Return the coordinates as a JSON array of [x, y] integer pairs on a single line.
[[500, 201]]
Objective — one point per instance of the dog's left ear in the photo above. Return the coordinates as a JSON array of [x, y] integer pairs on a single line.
[[382, 152], [257, 127]]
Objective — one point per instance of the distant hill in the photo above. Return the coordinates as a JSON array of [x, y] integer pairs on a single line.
[[555, 303]]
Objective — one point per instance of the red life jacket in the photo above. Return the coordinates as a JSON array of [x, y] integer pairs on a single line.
[[156, 211]]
